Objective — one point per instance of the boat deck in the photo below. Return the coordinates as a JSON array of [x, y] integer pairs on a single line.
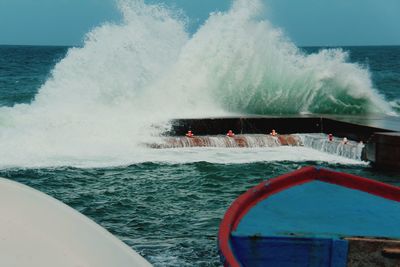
[[319, 209], [313, 217]]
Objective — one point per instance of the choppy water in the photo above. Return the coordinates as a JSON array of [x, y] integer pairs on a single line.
[[73, 121], [23, 69], [168, 212]]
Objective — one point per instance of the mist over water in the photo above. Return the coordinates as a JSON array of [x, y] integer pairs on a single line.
[[117, 92]]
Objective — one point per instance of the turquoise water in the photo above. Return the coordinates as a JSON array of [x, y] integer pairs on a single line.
[[25, 68], [74, 121]]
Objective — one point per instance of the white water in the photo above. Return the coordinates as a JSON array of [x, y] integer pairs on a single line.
[[317, 141], [320, 142], [191, 155], [104, 100], [222, 141]]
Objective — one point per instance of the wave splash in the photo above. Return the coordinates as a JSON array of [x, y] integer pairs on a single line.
[[248, 66], [120, 89]]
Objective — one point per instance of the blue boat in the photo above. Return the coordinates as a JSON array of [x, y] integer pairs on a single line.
[[313, 217]]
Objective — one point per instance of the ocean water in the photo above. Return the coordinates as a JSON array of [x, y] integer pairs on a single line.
[[74, 120]]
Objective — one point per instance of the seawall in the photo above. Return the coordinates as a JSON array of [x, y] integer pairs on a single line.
[[380, 134]]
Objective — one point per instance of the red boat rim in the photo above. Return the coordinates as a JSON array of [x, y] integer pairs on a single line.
[[249, 199]]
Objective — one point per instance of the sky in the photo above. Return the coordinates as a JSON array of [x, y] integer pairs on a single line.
[[306, 22]]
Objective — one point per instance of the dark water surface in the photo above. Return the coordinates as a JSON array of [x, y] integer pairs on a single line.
[[23, 69], [169, 213]]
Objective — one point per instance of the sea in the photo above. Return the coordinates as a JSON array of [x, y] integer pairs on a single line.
[[75, 121]]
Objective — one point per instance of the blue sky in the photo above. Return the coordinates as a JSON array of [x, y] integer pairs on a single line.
[[306, 22]]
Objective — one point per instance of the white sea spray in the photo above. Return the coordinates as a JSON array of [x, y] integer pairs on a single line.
[[118, 91]]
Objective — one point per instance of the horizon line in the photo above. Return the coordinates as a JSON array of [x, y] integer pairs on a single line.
[[300, 46]]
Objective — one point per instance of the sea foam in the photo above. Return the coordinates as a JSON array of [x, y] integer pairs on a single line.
[[117, 92]]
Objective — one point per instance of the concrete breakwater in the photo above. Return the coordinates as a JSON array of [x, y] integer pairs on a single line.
[[320, 142], [242, 140], [380, 134]]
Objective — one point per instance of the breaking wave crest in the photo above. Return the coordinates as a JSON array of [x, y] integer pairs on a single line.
[[248, 66], [119, 90]]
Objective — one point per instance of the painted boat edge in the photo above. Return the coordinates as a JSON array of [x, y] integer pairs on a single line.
[[26, 200], [254, 195]]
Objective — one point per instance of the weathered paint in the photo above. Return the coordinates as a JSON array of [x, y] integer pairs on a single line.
[[259, 193], [322, 210], [289, 252]]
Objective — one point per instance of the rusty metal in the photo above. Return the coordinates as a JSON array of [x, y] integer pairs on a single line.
[[365, 252]]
